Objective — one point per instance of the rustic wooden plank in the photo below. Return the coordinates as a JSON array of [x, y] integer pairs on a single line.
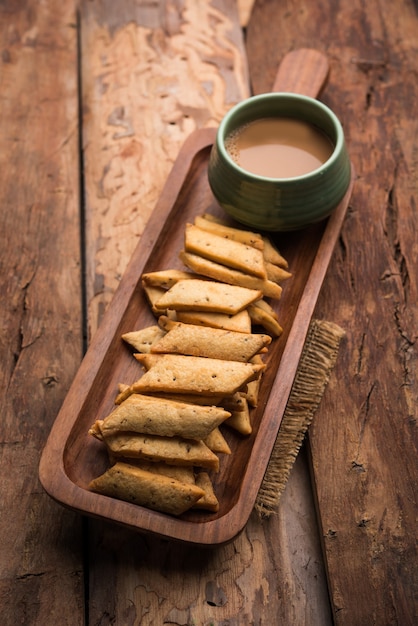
[[151, 74], [273, 570], [363, 440], [41, 334]]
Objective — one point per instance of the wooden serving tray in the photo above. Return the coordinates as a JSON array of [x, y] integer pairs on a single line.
[[72, 457]]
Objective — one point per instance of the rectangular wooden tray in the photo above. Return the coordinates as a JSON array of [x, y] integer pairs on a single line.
[[72, 457]]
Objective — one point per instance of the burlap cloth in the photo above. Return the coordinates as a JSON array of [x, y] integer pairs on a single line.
[[316, 364]]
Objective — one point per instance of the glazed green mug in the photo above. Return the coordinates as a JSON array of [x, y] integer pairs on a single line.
[[279, 203]]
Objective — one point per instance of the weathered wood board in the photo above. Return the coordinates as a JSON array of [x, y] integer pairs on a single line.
[[151, 74], [364, 439], [41, 580]]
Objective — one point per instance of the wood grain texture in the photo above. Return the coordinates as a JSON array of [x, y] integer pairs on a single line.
[[304, 71], [151, 74], [41, 317], [364, 439]]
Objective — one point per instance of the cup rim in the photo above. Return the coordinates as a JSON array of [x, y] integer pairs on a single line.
[[282, 95]]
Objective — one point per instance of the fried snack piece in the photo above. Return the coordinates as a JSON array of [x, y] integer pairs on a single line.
[[150, 361], [225, 251], [260, 316], [265, 306], [253, 387], [236, 402], [170, 450], [157, 416], [220, 227], [276, 273], [183, 474], [154, 491], [209, 501], [272, 255], [95, 431], [227, 275], [143, 339], [165, 279], [189, 398], [176, 373], [153, 295], [193, 340], [240, 421], [210, 223], [207, 295], [240, 322], [124, 391], [202, 400], [216, 442], [186, 476]]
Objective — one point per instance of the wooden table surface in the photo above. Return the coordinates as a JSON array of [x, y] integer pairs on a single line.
[[96, 99]]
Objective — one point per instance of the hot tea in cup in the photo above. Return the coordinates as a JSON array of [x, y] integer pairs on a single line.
[[279, 147], [279, 162]]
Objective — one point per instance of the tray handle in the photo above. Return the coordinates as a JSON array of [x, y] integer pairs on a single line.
[[304, 71]]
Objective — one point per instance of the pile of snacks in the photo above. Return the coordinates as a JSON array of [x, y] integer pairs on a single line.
[[202, 367]]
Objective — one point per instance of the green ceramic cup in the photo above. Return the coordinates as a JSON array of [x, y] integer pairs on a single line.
[[279, 204]]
